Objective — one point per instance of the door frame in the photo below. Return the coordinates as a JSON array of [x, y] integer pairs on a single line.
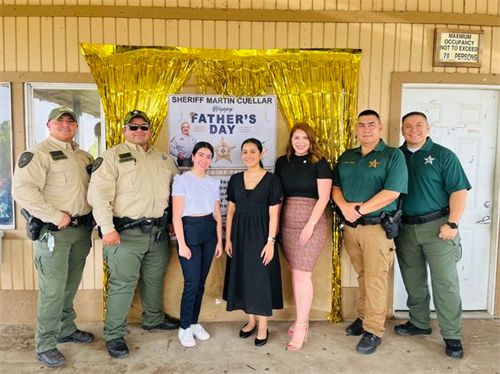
[[394, 126]]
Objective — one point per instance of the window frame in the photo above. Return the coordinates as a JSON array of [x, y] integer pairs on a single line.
[[30, 87]]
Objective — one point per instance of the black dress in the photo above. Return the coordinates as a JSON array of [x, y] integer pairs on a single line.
[[249, 285]]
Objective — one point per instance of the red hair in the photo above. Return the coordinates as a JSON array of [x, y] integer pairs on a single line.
[[315, 153]]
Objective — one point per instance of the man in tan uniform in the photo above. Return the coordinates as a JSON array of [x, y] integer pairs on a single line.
[[51, 182], [129, 191]]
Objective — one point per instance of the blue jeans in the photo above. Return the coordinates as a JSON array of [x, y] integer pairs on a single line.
[[200, 234]]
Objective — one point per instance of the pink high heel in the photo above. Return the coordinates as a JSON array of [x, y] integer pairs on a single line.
[[296, 345]]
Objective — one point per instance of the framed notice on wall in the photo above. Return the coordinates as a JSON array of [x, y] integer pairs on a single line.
[[457, 47]]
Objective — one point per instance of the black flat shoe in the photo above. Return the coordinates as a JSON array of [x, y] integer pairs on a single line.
[[246, 334], [261, 342]]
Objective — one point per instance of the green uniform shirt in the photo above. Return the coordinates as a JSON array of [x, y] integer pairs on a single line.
[[434, 174], [362, 177]]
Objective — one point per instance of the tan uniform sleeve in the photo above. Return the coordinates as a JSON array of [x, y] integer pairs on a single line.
[[102, 190], [28, 185]]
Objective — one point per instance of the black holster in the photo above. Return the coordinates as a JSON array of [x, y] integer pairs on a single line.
[[33, 225], [392, 223]]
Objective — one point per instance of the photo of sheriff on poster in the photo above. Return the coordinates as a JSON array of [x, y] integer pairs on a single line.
[[225, 122]]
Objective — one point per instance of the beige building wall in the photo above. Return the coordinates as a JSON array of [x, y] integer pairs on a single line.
[[39, 42]]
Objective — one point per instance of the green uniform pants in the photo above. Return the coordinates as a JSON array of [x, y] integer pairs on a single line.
[[137, 256], [417, 246], [59, 275]]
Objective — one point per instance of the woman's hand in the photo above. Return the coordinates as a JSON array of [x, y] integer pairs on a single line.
[[306, 234], [185, 252], [267, 253], [229, 248], [218, 250]]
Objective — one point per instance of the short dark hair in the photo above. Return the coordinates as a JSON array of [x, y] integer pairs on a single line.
[[369, 112], [414, 113], [257, 143], [199, 146]]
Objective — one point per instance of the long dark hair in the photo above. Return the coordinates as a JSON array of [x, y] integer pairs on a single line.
[[199, 146], [258, 144]]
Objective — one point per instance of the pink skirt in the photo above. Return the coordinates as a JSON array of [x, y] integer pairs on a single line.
[[295, 213]]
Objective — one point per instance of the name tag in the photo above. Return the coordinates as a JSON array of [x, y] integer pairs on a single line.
[[58, 155], [125, 157]]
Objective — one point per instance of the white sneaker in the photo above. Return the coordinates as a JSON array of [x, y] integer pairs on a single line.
[[199, 332], [186, 337]]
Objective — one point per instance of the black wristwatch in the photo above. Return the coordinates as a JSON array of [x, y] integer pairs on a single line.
[[453, 225]]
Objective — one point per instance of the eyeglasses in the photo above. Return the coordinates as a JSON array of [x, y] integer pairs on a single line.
[[135, 127]]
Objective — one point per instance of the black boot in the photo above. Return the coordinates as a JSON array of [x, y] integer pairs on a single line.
[[51, 358], [409, 329], [355, 328], [368, 343], [117, 348], [77, 337], [169, 323], [454, 348]]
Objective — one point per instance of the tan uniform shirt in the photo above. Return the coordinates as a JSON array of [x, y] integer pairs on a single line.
[[54, 181], [131, 183]]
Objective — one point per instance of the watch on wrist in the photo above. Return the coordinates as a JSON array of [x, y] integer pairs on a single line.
[[271, 239], [453, 225]]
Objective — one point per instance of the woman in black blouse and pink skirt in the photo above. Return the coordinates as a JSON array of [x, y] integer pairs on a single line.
[[306, 178]]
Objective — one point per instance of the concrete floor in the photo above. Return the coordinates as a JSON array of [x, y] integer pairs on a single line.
[[328, 350]]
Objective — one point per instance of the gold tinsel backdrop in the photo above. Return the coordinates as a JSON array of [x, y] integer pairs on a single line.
[[314, 86]]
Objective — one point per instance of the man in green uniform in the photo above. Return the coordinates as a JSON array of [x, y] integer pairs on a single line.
[[51, 182], [129, 192], [367, 181], [437, 194]]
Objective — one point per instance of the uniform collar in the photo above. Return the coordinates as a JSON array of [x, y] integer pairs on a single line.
[[64, 145], [426, 147], [138, 147], [380, 147]]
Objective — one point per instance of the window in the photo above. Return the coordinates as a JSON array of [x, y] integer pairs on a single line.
[[82, 98], [6, 203]]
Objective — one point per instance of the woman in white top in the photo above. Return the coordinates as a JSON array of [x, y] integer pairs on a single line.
[[198, 227]]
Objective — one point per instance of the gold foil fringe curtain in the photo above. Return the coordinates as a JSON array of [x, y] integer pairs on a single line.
[[314, 86]]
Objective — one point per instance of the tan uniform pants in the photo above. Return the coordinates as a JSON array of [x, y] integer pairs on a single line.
[[372, 256]]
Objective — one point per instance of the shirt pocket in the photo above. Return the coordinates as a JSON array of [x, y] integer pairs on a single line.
[[60, 173], [127, 174]]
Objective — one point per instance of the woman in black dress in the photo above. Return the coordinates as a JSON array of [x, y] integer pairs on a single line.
[[253, 274]]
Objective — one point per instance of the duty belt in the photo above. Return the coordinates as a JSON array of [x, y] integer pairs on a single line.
[[364, 221], [120, 222], [74, 222], [417, 220]]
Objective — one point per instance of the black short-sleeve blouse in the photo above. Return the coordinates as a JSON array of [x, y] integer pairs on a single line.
[[299, 175]]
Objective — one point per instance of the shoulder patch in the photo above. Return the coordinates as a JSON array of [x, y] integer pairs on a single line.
[[25, 159], [58, 155], [124, 157], [97, 163]]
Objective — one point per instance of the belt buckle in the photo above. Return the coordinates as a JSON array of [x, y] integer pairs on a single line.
[[74, 222]]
